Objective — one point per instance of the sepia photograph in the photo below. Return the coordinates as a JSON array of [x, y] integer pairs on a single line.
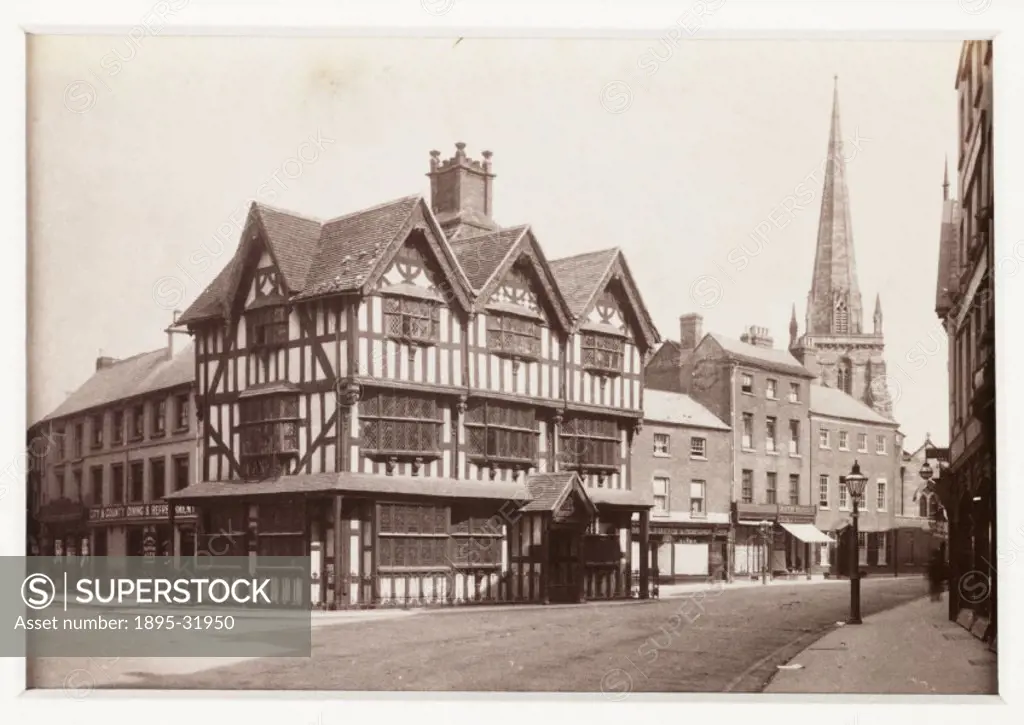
[[618, 366]]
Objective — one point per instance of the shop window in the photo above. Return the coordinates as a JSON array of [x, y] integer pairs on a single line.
[[270, 434], [603, 353], [590, 443], [401, 424], [501, 432], [513, 336]]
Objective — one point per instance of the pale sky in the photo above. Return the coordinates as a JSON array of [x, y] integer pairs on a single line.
[[134, 165]]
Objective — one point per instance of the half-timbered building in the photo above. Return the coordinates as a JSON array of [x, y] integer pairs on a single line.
[[421, 402]]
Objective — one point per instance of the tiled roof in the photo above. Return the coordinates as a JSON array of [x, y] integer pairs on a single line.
[[294, 240], [679, 408], [480, 255], [834, 403], [356, 482], [579, 276], [315, 257], [546, 489], [765, 357], [619, 497], [350, 245], [138, 375]]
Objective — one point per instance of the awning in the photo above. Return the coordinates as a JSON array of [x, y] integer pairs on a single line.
[[744, 522], [808, 533]]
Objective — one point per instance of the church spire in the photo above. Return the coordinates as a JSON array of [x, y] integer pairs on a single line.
[[834, 303], [945, 181], [878, 314], [793, 328]]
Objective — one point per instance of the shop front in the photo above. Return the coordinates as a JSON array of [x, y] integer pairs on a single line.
[[778, 540], [62, 528], [686, 550], [144, 529]]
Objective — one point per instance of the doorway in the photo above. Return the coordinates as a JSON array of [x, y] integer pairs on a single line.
[[565, 563]]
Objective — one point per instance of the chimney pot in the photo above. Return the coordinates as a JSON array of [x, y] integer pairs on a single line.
[[104, 361]]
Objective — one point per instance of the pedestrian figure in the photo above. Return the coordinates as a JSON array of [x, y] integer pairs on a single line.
[[937, 573]]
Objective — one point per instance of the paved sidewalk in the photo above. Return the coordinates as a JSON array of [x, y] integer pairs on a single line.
[[913, 649], [678, 590]]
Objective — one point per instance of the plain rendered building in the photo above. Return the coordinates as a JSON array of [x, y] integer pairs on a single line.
[[114, 450], [684, 453], [421, 402]]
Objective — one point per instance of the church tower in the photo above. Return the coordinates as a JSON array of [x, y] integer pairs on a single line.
[[835, 346]]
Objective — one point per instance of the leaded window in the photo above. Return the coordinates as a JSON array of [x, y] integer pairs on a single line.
[[267, 327], [269, 427], [590, 443], [603, 353], [413, 536], [401, 423], [512, 335], [411, 319], [499, 431]]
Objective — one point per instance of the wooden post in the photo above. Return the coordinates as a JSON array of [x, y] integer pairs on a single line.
[[645, 557], [545, 565], [339, 558], [581, 566]]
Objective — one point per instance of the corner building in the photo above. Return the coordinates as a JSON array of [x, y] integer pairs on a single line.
[[421, 402]]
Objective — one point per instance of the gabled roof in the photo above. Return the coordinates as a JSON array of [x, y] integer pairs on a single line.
[[664, 407], [763, 357], [579, 277], [145, 373], [549, 490], [318, 258], [481, 255], [583, 277], [835, 403]]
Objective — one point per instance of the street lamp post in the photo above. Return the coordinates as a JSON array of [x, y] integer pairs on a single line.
[[765, 528], [855, 482]]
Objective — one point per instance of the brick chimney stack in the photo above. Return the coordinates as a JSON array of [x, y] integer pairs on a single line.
[[757, 336], [461, 192], [691, 331], [105, 361]]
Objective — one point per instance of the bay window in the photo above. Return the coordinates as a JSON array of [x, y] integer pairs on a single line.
[[590, 443], [269, 427], [501, 432], [603, 353], [411, 320], [401, 424], [513, 336], [412, 536]]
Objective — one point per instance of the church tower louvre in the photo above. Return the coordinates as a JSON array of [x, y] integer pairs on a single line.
[[835, 345]]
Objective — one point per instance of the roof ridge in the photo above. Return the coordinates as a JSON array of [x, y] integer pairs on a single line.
[[260, 206], [587, 254], [375, 207]]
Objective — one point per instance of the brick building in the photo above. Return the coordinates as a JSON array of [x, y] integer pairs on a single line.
[[843, 431], [685, 454], [762, 393], [114, 450]]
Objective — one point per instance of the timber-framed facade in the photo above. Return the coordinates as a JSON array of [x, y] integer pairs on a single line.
[[423, 404]]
